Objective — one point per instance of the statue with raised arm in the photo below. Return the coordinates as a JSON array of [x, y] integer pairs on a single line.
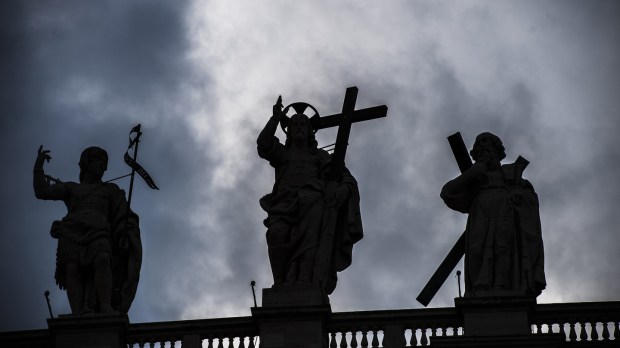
[[503, 239], [299, 208], [99, 250]]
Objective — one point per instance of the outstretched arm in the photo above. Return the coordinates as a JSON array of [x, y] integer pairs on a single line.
[[42, 188]]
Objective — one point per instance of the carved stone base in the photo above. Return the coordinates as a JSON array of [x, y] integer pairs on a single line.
[[89, 331], [496, 315], [294, 297], [497, 320], [293, 318]]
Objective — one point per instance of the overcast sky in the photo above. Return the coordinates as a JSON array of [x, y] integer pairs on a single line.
[[201, 77]]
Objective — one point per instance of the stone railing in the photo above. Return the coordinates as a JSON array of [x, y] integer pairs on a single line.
[[581, 323], [591, 324], [240, 332], [394, 328]]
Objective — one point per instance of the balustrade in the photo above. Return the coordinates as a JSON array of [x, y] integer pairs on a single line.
[[579, 322], [582, 324], [392, 329], [208, 333]]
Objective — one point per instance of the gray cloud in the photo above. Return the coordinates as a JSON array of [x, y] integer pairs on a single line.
[[201, 78]]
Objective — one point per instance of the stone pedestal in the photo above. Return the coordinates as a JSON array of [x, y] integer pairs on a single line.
[[497, 321], [89, 331], [294, 297], [293, 318], [495, 315]]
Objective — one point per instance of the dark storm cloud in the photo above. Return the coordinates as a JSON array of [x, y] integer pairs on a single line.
[[76, 74], [201, 78]]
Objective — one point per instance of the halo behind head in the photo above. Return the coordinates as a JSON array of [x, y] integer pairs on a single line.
[[300, 108]]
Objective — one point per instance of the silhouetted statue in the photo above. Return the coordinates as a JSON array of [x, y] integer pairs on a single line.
[[304, 204], [503, 239], [99, 249]]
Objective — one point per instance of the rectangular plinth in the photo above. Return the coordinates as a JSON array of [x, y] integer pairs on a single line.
[[294, 297], [301, 326], [89, 331], [495, 315]]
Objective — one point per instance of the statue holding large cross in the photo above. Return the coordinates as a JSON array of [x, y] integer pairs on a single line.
[[502, 242], [313, 211]]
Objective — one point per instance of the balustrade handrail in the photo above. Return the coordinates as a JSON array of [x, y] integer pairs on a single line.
[[205, 328], [575, 311], [406, 317]]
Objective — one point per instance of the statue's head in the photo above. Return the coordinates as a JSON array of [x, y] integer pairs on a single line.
[[299, 128], [488, 146], [93, 160]]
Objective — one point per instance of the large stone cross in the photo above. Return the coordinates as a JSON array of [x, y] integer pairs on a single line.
[[325, 251]]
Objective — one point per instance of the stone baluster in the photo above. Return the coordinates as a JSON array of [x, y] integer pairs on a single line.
[[606, 335], [582, 332], [405, 341], [430, 335], [375, 339], [572, 335], [594, 333], [365, 334], [332, 340], [354, 339], [424, 337], [348, 338]]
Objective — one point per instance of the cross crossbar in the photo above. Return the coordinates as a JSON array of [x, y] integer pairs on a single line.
[[344, 120]]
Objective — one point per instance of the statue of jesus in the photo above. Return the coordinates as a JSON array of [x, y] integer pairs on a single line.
[[299, 208]]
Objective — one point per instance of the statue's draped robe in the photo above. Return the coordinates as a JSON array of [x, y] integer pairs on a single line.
[[297, 198], [504, 247], [97, 217]]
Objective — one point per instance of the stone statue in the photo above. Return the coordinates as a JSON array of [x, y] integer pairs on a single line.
[[503, 240], [300, 208], [99, 251]]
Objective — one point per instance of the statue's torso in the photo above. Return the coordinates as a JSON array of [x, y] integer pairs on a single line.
[[301, 169], [90, 204]]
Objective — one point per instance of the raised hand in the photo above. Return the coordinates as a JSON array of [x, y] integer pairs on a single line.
[[277, 108], [42, 156]]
